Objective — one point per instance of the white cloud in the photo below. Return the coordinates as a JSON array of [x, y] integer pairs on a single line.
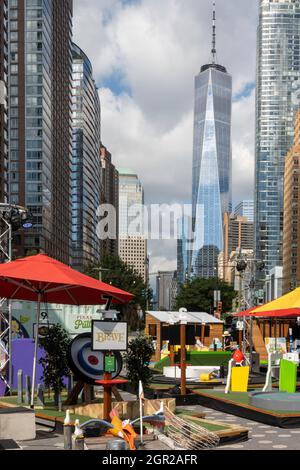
[[158, 47]]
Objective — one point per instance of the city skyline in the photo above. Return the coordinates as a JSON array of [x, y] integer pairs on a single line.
[[157, 97]]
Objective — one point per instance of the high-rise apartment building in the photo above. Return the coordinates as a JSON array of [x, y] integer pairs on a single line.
[[110, 195], [238, 234], [132, 240], [40, 132], [3, 103], [277, 99], [212, 164], [85, 174], [291, 219], [245, 209]]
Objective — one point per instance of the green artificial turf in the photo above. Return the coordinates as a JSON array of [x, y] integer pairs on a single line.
[[239, 398], [61, 414], [208, 426], [189, 415], [199, 358], [205, 425]]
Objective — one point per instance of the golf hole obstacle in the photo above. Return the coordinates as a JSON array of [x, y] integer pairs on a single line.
[[238, 374], [287, 373], [95, 368]]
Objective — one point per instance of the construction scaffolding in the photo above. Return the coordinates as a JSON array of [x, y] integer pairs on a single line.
[[12, 218]]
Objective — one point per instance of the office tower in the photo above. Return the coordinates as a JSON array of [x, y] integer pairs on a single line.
[[40, 132], [245, 209], [277, 99], [166, 290], [238, 240], [85, 174], [132, 240], [183, 250], [291, 220], [109, 195], [212, 163], [238, 234], [3, 103]]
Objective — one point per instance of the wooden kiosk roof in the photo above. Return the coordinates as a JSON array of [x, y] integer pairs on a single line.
[[191, 317]]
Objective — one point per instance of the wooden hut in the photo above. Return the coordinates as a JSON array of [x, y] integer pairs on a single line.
[[209, 327]]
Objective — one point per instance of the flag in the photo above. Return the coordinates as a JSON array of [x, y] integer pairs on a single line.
[[141, 399], [141, 391]]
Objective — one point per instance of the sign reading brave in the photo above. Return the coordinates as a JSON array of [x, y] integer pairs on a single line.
[[109, 336]]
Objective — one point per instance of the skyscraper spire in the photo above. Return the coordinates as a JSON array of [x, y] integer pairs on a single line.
[[214, 50]]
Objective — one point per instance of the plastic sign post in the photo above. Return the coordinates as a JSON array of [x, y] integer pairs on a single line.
[[110, 364]]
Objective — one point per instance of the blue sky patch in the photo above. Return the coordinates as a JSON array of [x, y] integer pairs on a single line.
[[245, 92], [115, 82]]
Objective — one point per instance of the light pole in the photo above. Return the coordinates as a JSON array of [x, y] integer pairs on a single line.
[[182, 321], [100, 270]]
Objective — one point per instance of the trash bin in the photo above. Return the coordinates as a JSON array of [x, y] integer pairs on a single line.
[[255, 362]]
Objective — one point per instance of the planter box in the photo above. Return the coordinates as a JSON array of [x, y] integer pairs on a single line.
[[128, 410]]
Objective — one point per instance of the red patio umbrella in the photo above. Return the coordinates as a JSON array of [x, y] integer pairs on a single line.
[[43, 279], [245, 313]]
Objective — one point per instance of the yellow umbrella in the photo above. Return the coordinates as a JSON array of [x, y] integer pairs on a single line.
[[286, 306]]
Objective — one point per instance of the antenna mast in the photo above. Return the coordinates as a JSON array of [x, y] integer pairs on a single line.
[[214, 50]]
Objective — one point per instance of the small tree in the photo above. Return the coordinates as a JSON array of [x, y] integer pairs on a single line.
[[119, 274], [137, 360], [55, 362]]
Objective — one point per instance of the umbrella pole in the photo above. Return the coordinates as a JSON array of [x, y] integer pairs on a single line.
[[36, 339]]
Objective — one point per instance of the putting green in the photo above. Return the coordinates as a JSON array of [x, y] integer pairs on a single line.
[[237, 398], [199, 358]]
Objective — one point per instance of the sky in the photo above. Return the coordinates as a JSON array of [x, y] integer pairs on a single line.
[[145, 55]]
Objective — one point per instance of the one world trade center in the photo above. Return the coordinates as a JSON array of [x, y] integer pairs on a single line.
[[212, 164]]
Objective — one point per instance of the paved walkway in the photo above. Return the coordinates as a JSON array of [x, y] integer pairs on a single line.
[[261, 436]]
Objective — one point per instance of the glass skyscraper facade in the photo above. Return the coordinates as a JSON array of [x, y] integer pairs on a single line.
[[212, 166], [245, 209], [40, 133], [132, 242], [3, 103], [85, 173], [278, 97], [183, 250]]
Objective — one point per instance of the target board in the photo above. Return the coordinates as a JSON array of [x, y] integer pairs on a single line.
[[88, 365]]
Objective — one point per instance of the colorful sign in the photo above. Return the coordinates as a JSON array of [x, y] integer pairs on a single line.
[[110, 364], [109, 336], [90, 365], [75, 320], [276, 344]]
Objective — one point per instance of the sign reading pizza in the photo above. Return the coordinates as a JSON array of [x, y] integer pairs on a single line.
[[109, 336]]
